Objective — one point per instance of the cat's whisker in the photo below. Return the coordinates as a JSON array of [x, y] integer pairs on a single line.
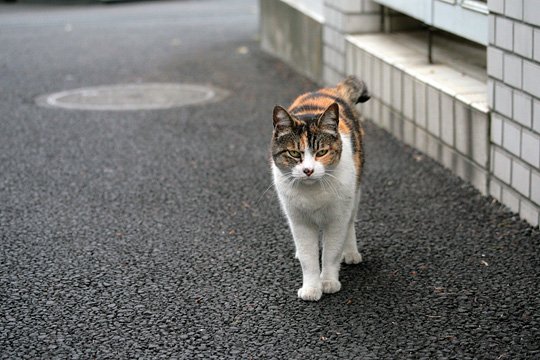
[[265, 191], [288, 178], [332, 187], [296, 183], [333, 176]]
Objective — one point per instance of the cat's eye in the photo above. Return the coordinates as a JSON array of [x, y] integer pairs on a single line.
[[295, 154], [321, 152]]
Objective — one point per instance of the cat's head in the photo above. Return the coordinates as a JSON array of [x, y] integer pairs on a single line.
[[306, 149]]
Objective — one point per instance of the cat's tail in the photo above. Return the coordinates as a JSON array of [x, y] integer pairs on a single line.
[[353, 90]]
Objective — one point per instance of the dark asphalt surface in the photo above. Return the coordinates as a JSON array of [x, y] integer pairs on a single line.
[[149, 234]]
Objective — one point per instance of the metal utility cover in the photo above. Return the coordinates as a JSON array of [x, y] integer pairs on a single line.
[[148, 96]]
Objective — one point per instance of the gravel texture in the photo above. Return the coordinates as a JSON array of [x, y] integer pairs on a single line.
[[150, 234]]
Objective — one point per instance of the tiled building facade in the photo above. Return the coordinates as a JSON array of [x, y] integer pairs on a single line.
[[514, 100], [486, 129]]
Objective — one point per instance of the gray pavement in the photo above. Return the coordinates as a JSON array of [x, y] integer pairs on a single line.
[[148, 234]]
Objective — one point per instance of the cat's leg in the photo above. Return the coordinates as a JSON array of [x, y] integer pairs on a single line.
[[351, 255], [333, 243], [306, 240]]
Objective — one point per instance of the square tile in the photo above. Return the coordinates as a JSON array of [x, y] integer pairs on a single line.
[[433, 111], [463, 129], [408, 132], [530, 148], [536, 116], [529, 212], [495, 189], [522, 108], [502, 165], [480, 137], [420, 103], [523, 39], [376, 67], [496, 6], [504, 33], [491, 28], [536, 46], [511, 199], [421, 139], [366, 70], [397, 84], [408, 96], [530, 12], [448, 158], [512, 70], [512, 137], [495, 62], [434, 148], [385, 117], [496, 129], [447, 119], [503, 99], [521, 175], [535, 187], [531, 74], [386, 83], [514, 9]]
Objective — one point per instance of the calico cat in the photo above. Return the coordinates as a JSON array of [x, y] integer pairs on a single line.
[[317, 162]]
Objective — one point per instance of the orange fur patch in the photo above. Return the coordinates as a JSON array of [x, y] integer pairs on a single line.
[[315, 103]]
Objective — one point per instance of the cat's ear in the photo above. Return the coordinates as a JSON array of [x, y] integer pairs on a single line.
[[282, 119], [329, 120]]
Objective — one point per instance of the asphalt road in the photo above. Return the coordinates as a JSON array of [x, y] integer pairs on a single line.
[[148, 234]]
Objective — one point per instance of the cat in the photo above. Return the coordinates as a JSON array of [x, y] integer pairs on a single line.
[[317, 162]]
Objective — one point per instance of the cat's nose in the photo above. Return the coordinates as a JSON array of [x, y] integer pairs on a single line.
[[308, 171]]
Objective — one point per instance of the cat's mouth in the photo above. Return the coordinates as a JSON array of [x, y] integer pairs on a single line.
[[310, 180]]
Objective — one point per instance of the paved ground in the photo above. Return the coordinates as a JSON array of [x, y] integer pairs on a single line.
[[149, 234]]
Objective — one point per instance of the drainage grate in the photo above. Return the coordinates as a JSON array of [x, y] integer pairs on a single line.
[[133, 97]]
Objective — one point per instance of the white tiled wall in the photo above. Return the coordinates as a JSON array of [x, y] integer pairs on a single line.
[[429, 107], [499, 153], [344, 17], [514, 53], [486, 132]]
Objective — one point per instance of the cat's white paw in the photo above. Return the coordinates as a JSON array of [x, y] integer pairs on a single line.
[[352, 258], [330, 286], [309, 293]]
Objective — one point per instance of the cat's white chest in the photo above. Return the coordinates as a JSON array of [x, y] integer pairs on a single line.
[[311, 198]]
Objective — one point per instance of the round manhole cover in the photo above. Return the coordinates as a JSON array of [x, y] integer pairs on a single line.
[[133, 97]]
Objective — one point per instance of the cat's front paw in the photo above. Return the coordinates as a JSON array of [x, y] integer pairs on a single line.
[[309, 293], [331, 286], [352, 258]]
